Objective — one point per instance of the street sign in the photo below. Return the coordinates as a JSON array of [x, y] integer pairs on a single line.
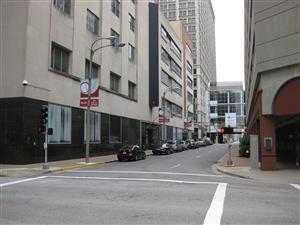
[[84, 102], [230, 119], [84, 87]]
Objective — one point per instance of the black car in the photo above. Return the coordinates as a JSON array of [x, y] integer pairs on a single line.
[[131, 152], [166, 149]]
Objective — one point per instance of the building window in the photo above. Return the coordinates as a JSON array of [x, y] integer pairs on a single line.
[[175, 49], [131, 90], [59, 59], [222, 98], [60, 121], [175, 68], [191, 4], [172, 6], [116, 41], [191, 20], [195, 82], [172, 14], [236, 109], [165, 57], [191, 12], [176, 87], [195, 94], [189, 82], [165, 78], [131, 22], [182, 5], [164, 34], [115, 129], [176, 110], [94, 127], [222, 109], [95, 70], [190, 97], [115, 7], [131, 51], [234, 97], [92, 22], [114, 82], [189, 67], [63, 5], [182, 13]]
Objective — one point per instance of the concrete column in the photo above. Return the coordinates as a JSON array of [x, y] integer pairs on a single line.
[[254, 145], [268, 156]]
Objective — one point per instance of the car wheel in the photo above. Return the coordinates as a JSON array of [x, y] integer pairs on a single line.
[[144, 156]]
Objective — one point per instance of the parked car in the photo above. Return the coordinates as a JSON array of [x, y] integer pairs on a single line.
[[208, 141], [131, 152], [200, 143], [180, 146], [165, 149], [192, 144]]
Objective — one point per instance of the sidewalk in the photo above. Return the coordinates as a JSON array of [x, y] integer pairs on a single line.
[[241, 168], [37, 170]]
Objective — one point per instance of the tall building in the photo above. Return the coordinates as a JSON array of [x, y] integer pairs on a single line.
[[226, 97], [45, 57], [199, 19], [272, 78]]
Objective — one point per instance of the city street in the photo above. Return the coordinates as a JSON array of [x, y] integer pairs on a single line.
[[181, 188]]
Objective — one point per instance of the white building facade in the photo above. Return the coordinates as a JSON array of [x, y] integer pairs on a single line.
[[198, 17], [47, 43]]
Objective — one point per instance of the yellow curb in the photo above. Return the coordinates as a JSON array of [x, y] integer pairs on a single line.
[[82, 166]]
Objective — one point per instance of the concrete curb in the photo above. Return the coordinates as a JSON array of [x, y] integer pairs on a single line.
[[232, 174], [38, 172]]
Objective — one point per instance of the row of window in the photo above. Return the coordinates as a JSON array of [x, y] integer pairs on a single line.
[[170, 62], [113, 128], [170, 82], [222, 109], [60, 62], [174, 48], [234, 97], [171, 109]]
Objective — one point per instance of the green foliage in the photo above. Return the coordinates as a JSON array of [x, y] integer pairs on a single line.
[[244, 150]]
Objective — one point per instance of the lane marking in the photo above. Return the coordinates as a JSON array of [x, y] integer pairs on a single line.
[[215, 211], [133, 179], [198, 156], [296, 186], [144, 172], [176, 166], [22, 181]]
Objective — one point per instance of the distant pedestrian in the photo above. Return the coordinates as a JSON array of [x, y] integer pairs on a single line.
[[298, 153]]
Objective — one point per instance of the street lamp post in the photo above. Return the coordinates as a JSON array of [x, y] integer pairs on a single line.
[[187, 117], [88, 116]]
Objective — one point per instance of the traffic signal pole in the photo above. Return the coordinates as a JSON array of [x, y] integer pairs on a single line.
[[46, 165]]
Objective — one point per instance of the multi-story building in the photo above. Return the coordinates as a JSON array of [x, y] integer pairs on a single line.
[[272, 78], [45, 55], [198, 17], [226, 97], [174, 73]]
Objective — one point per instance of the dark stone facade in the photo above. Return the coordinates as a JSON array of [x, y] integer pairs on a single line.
[[20, 142]]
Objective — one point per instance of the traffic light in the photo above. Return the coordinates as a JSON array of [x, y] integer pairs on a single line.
[[226, 130], [44, 114]]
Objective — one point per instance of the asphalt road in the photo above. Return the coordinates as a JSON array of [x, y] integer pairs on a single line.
[[181, 188]]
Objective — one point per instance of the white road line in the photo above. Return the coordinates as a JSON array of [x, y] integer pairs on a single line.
[[296, 186], [133, 179], [177, 165], [144, 172], [21, 181], [198, 156], [215, 211]]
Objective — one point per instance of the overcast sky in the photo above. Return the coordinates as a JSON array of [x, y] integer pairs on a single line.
[[229, 20]]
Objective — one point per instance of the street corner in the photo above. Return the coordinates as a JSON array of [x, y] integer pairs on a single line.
[[27, 172], [241, 172]]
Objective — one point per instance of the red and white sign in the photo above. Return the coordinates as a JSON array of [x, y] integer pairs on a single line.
[[94, 97], [94, 102], [162, 119]]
